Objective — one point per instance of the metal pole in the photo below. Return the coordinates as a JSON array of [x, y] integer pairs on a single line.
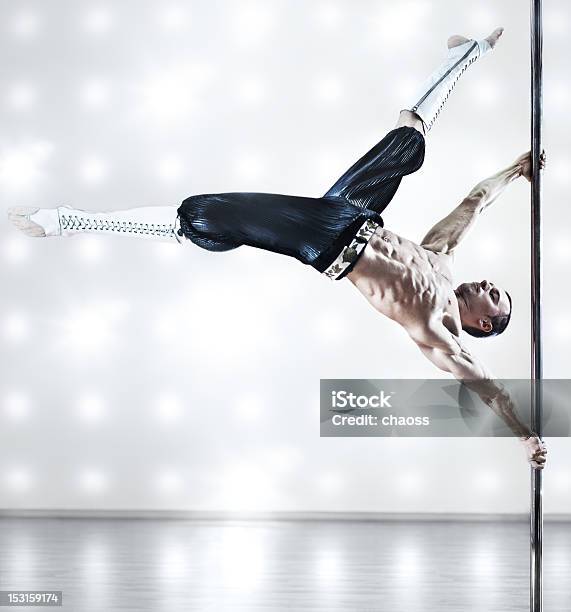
[[536, 514]]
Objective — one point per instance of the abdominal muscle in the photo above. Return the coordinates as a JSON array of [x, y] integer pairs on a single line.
[[408, 283]]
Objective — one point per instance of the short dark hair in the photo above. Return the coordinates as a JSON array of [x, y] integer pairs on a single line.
[[499, 324]]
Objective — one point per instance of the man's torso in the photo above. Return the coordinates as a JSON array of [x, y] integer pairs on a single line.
[[409, 284]]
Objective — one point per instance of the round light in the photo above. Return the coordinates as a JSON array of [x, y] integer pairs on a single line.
[[16, 249], [25, 25], [15, 327], [93, 170], [90, 248], [93, 481], [249, 167], [19, 479], [328, 89], [91, 409], [170, 168], [95, 94], [16, 406], [174, 18], [21, 97], [98, 21], [249, 407], [169, 481], [169, 408]]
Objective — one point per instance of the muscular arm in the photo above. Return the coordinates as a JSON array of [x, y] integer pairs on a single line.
[[445, 236], [465, 367]]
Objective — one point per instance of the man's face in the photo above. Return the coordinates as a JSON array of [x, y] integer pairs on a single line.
[[479, 302]]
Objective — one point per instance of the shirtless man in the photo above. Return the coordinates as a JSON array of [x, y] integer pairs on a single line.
[[341, 235]]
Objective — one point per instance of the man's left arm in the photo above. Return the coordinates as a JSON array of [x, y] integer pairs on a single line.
[[445, 236], [459, 362]]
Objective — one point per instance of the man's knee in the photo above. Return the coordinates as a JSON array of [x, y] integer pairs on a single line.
[[202, 220], [409, 119]]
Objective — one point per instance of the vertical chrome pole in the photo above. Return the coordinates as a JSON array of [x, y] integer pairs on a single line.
[[536, 514]]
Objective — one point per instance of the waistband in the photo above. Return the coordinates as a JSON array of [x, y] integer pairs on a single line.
[[351, 252]]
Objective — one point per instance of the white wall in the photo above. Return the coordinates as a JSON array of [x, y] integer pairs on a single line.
[[139, 375]]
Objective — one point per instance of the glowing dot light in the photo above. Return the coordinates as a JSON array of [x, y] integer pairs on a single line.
[[91, 409], [18, 479], [16, 249], [21, 96], [25, 25], [558, 95], [15, 327], [488, 481], [556, 22], [16, 406], [407, 561], [252, 23], [174, 18], [93, 481], [173, 564], [392, 17], [167, 251], [168, 97], [562, 248], [562, 481], [246, 486], [93, 170], [251, 90], [329, 16], [483, 17], [170, 168], [89, 329], [484, 560], [242, 559], [410, 483], [169, 408], [330, 327], [166, 327], [560, 328], [328, 89], [330, 483], [329, 567], [284, 460], [90, 248], [406, 86], [169, 481], [21, 167], [559, 170], [486, 92], [249, 407], [249, 167], [95, 93], [98, 21]]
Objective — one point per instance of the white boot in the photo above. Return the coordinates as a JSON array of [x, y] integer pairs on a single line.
[[154, 222], [428, 102]]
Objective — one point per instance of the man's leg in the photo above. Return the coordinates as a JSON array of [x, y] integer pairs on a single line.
[[300, 227], [304, 228], [426, 105], [374, 179], [152, 222]]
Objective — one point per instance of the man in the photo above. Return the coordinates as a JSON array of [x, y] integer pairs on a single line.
[[342, 235]]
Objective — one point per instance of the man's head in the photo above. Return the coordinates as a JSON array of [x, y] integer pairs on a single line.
[[485, 309]]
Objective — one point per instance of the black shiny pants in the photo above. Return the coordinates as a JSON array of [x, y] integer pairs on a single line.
[[313, 230]]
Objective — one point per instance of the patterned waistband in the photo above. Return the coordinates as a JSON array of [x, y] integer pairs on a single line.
[[350, 252]]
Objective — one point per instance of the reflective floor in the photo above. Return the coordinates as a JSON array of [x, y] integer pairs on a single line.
[[178, 565]]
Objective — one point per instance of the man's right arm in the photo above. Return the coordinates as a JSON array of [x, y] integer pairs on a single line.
[[466, 368], [447, 234]]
